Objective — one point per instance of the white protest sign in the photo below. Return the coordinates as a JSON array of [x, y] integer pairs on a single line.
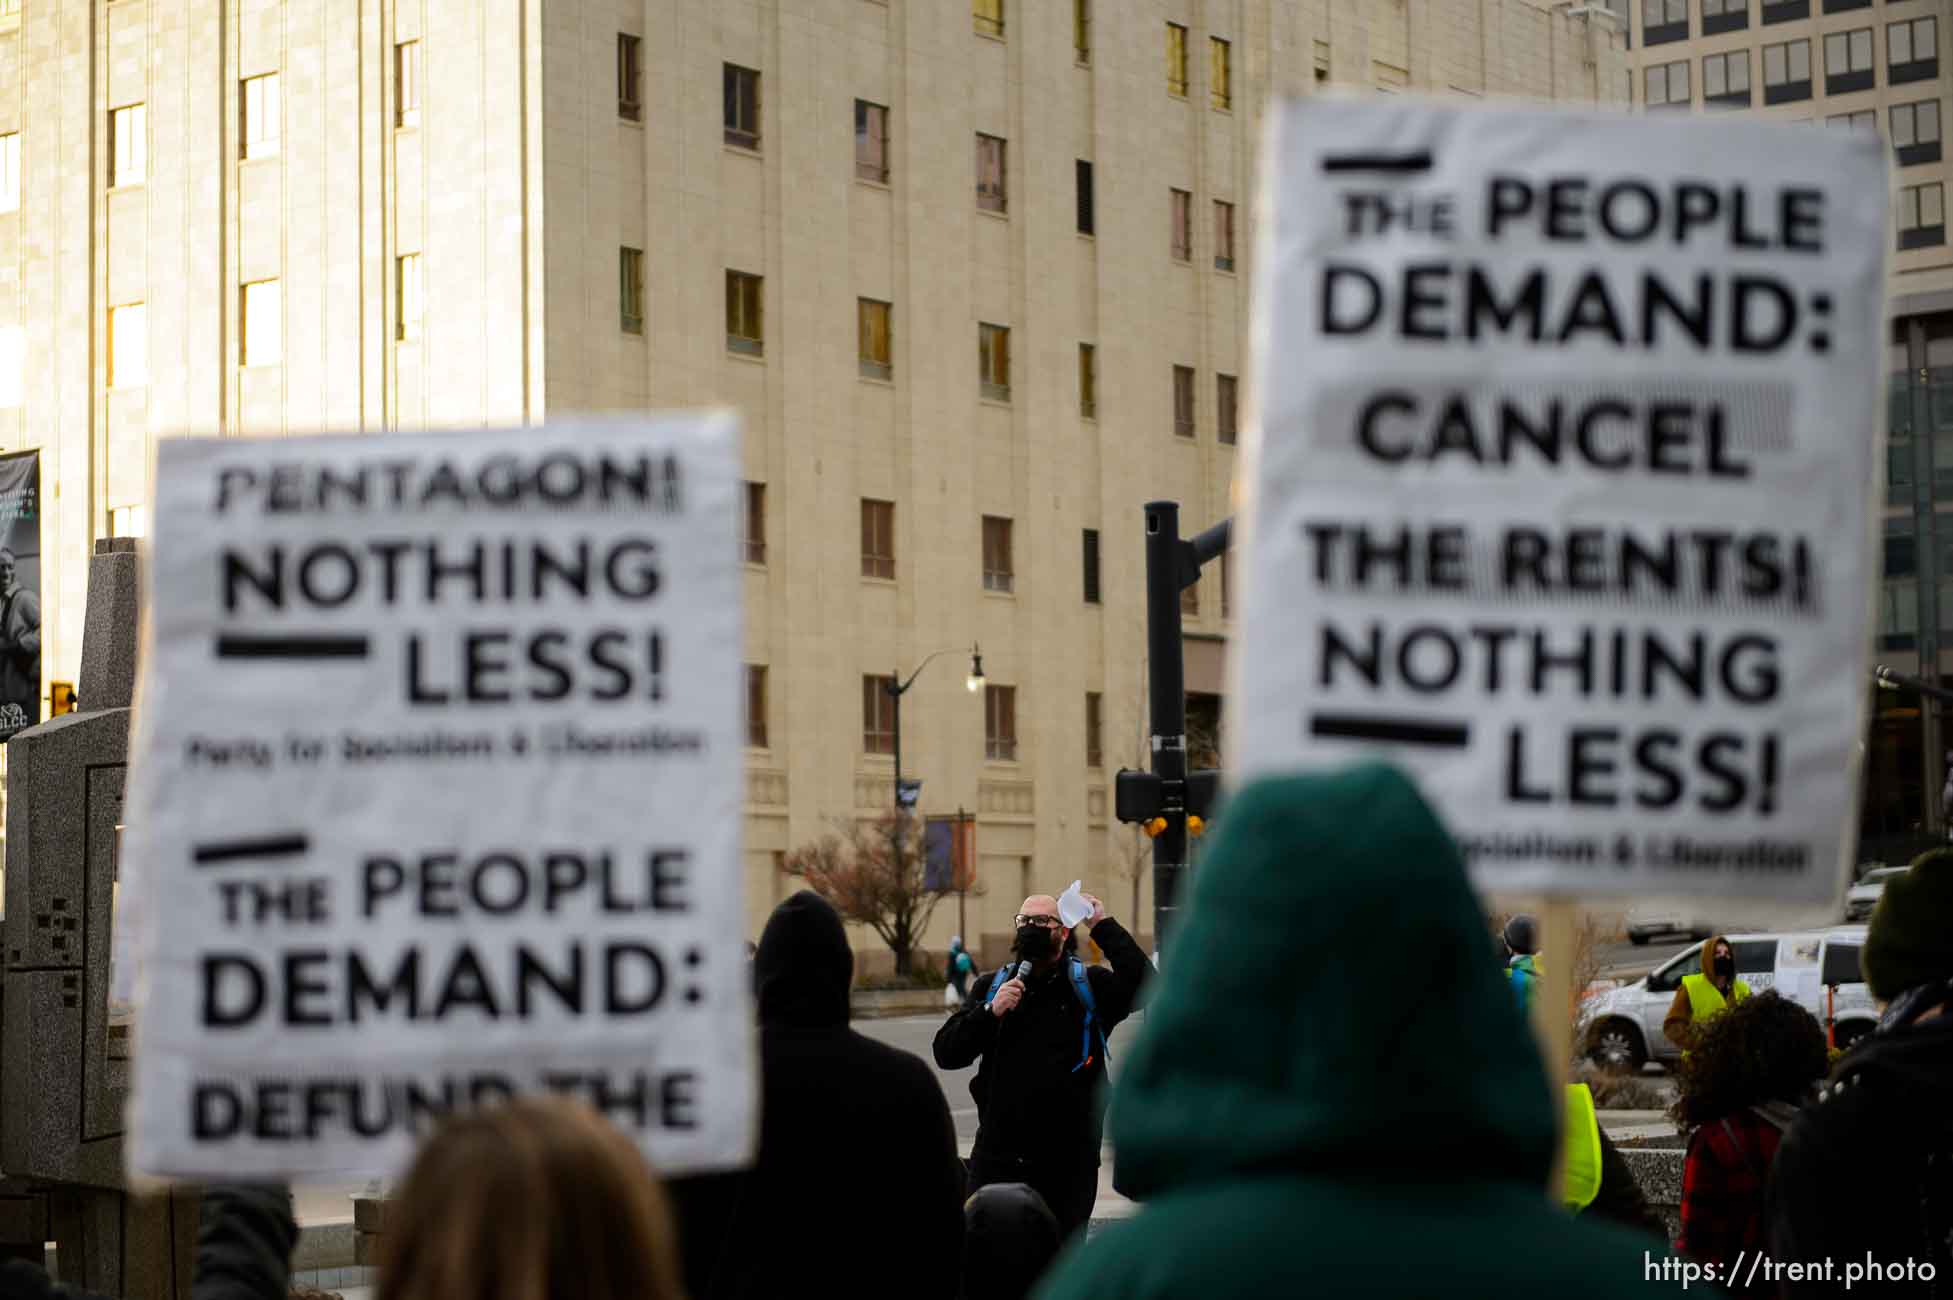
[[436, 792], [1560, 481]]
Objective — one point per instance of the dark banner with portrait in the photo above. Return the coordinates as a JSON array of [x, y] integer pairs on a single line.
[[20, 591]]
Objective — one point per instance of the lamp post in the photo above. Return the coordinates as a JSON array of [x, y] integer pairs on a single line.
[[898, 687]]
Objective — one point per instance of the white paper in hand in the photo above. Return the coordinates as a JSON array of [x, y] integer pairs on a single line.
[[1072, 907]]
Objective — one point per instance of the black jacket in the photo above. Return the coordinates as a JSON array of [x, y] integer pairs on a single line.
[[1029, 1099], [856, 1145], [1869, 1165]]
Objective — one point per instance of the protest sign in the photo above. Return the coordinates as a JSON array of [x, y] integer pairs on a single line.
[[20, 591], [1560, 477], [435, 794]]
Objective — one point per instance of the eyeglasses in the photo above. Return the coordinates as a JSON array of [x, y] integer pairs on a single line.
[[1049, 922]]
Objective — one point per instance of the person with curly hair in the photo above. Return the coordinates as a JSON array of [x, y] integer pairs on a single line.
[[1752, 1067]]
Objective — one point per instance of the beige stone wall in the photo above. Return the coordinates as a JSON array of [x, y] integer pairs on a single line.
[[822, 437], [519, 185]]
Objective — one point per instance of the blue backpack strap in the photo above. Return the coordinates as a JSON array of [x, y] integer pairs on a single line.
[[1083, 988], [1003, 977]]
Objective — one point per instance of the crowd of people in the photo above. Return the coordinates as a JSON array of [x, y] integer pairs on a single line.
[[1334, 1093]]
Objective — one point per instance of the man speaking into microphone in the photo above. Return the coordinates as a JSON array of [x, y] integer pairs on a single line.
[[1040, 1024]]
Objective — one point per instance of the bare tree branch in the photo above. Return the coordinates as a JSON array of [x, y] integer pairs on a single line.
[[873, 874]]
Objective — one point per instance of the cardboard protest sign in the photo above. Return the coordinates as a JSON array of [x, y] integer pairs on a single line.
[[1560, 478], [436, 794]]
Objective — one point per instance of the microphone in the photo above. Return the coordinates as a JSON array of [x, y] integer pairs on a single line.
[[1023, 969]]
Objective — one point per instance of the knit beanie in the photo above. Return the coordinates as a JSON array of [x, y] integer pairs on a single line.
[[1911, 937]]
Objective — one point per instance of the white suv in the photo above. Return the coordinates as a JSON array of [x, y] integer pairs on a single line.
[[1818, 969]]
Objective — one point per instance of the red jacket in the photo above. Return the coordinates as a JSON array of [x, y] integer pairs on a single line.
[[1723, 1180]]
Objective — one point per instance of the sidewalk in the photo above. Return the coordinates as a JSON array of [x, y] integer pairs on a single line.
[[325, 1214]]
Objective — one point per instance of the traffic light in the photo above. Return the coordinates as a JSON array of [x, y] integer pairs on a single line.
[[1149, 799], [60, 698]]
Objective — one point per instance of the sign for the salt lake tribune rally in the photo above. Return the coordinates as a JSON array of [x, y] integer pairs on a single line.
[[1560, 474], [436, 791]]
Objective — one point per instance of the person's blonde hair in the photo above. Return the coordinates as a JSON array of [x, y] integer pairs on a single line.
[[536, 1199]]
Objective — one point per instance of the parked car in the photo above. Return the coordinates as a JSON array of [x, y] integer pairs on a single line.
[[1816, 968], [1862, 897], [1645, 923]]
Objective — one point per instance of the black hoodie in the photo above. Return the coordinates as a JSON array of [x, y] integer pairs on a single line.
[[856, 1145], [1869, 1166]]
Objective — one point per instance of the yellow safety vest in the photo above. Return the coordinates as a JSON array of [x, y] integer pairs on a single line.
[[1580, 1149], [1706, 1000]]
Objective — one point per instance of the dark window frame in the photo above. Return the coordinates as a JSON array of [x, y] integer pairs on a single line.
[[741, 87], [1093, 593]]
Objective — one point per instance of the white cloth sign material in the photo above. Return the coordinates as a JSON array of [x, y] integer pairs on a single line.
[[436, 793], [1560, 479]]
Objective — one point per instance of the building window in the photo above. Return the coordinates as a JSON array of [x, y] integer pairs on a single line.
[[1786, 72], [1183, 401], [742, 87], [128, 521], [1912, 50], [1087, 224], [1665, 85], [877, 354], [1724, 16], [1176, 60], [745, 314], [406, 84], [128, 347], [407, 296], [997, 572], [1915, 132], [630, 290], [1848, 61], [10, 172], [13, 365], [1181, 232], [1081, 30], [877, 539], [993, 361], [987, 16], [1864, 120], [1000, 723], [1088, 381], [1785, 11], [1321, 52], [870, 141], [1726, 79], [1094, 729], [1091, 566], [257, 104], [1843, 6], [261, 327], [991, 174], [1663, 21], [754, 523], [9, 8], [128, 145], [1227, 584], [1220, 73], [1223, 236], [1922, 215], [878, 715], [1225, 413], [756, 706], [630, 77]]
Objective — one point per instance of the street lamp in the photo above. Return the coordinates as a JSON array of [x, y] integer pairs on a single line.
[[898, 687]]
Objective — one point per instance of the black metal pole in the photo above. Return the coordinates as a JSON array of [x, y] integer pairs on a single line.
[[895, 689], [1167, 709]]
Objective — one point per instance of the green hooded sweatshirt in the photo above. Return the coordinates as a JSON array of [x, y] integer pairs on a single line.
[[1333, 1093]]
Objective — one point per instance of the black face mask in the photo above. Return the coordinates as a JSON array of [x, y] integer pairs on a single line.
[[1033, 942], [1725, 966]]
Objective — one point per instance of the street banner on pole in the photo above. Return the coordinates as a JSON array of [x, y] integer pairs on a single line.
[[20, 592], [1560, 485], [435, 794]]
